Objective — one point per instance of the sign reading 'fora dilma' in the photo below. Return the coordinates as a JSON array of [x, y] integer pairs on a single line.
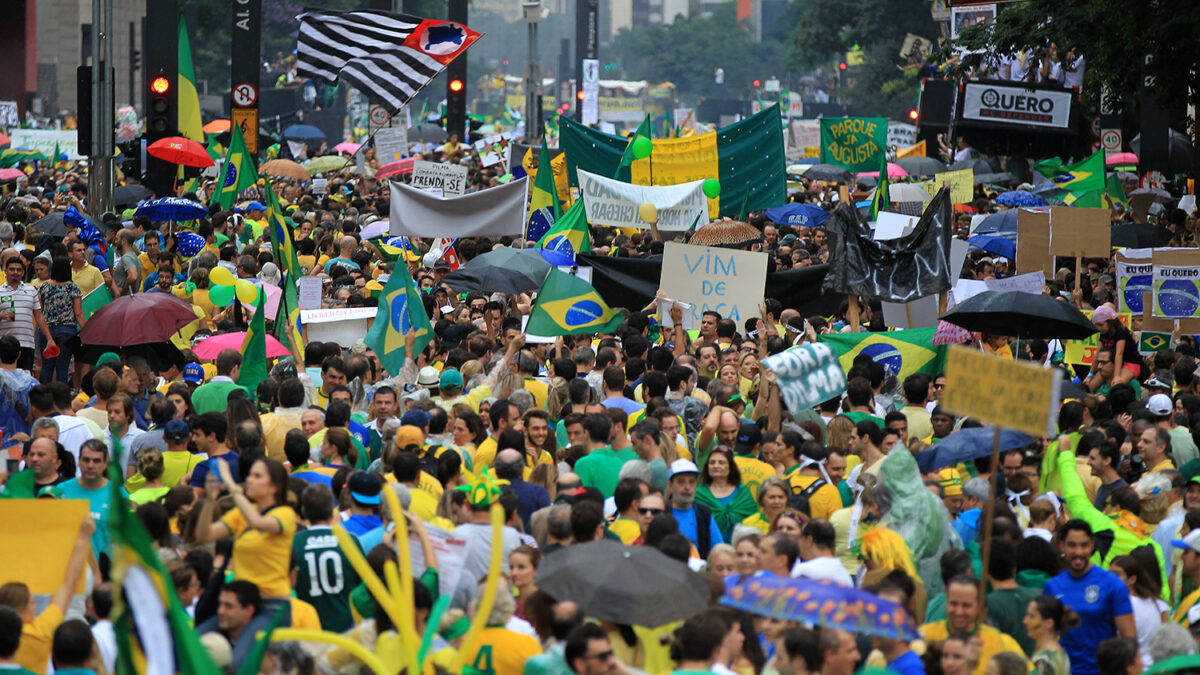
[[987, 102]]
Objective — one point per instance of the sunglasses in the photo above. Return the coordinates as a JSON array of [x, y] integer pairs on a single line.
[[650, 512]]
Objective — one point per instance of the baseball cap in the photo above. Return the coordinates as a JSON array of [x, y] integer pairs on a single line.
[[428, 377], [194, 373], [787, 239], [451, 379], [107, 357], [1000, 259], [416, 418], [1103, 313], [176, 430], [1160, 380], [749, 436], [255, 206], [1192, 541], [452, 335], [1160, 404], [951, 483], [683, 466], [408, 435], [365, 487]]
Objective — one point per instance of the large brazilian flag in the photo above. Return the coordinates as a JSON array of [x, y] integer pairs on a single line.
[[745, 156], [902, 352]]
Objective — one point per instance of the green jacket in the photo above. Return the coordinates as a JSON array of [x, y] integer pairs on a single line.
[[1111, 539], [739, 508]]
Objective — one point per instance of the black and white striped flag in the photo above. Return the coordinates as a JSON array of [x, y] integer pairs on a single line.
[[386, 55]]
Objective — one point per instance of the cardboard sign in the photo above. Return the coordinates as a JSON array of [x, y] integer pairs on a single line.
[[1033, 243], [714, 279], [451, 179], [1019, 395], [962, 185], [53, 524], [1159, 324], [494, 149], [1080, 232], [1176, 279], [1135, 277], [808, 374], [391, 144], [613, 203]]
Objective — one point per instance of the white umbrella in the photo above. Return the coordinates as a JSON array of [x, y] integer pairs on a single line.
[[908, 192]]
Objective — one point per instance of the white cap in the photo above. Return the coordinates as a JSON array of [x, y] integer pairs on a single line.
[[683, 466], [1160, 404], [1192, 541]]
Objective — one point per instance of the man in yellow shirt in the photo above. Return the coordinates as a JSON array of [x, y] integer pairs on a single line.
[[962, 616], [805, 475], [1154, 447], [745, 453], [628, 497], [83, 274]]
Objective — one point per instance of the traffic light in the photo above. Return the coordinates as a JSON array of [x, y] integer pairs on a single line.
[[913, 114], [160, 121], [756, 83], [456, 107], [579, 94]]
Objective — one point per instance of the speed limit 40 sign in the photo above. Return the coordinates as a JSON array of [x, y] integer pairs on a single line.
[[1110, 140]]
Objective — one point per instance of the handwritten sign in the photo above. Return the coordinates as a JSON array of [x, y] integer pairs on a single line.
[[719, 280], [310, 293], [328, 315], [45, 141], [1019, 395], [962, 185], [855, 143], [450, 178], [391, 144], [615, 204], [808, 374]]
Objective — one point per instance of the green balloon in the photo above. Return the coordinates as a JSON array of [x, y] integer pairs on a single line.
[[712, 188], [221, 296], [642, 147]]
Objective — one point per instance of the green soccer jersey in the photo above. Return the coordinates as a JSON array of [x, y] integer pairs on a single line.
[[324, 576]]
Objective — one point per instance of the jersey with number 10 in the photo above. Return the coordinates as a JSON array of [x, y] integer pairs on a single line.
[[324, 576]]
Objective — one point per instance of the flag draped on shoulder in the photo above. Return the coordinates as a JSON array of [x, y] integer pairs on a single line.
[[153, 631], [544, 209], [237, 173], [570, 232], [903, 352], [400, 309], [287, 318], [190, 124], [568, 305], [391, 56]]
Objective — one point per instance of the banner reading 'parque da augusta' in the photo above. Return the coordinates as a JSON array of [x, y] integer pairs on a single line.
[[854, 143]]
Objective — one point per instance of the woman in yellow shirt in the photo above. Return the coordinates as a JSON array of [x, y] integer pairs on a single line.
[[262, 525], [772, 501]]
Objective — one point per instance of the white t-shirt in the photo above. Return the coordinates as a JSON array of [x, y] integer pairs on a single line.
[[1147, 616], [1074, 76], [820, 569]]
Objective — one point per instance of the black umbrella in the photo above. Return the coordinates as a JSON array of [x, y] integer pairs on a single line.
[[53, 224], [1022, 315], [1137, 235], [978, 164], [490, 280], [829, 173], [426, 133], [159, 355], [921, 166], [1179, 151], [129, 195], [631, 585]]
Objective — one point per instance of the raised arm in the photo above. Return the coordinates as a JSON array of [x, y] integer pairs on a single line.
[[75, 564]]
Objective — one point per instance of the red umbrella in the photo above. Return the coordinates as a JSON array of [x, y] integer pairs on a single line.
[[1121, 159], [180, 150], [209, 348], [11, 174], [396, 168], [137, 319]]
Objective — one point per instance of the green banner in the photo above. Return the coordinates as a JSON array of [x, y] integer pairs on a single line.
[[99, 297], [855, 143], [746, 157]]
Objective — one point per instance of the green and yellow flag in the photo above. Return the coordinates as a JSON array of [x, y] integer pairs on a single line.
[[627, 157], [1115, 193], [568, 305], [238, 172], [254, 348], [544, 209], [570, 232], [882, 201], [903, 352], [400, 309], [190, 124], [287, 317], [1083, 181]]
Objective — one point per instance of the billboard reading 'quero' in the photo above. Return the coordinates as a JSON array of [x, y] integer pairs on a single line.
[[1016, 105]]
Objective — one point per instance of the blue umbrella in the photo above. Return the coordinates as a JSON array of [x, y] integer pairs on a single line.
[[795, 213], [996, 245], [172, 208], [1020, 198], [303, 132], [1004, 222], [822, 603], [967, 444]]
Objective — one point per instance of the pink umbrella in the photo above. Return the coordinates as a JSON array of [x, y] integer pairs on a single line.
[[948, 334], [11, 174], [1121, 159], [396, 168], [894, 171], [347, 147], [209, 348]]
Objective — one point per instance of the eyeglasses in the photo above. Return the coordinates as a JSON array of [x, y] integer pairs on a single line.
[[650, 511], [602, 656]]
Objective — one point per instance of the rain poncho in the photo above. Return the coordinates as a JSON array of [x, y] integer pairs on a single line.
[[917, 516]]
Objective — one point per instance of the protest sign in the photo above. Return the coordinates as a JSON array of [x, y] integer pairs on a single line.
[[900, 135], [1021, 396], [451, 553], [714, 279], [804, 136], [310, 293], [664, 314], [1158, 324], [855, 143], [54, 525], [1135, 277], [342, 325], [962, 185], [450, 178], [320, 186], [807, 374], [1077, 232], [494, 149], [391, 144], [1176, 279], [915, 47], [496, 211], [616, 204], [1081, 352], [1033, 242], [45, 140]]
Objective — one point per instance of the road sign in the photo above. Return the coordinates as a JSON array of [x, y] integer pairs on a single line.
[[245, 95], [1094, 126], [1111, 140], [247, 120], [379, 116]]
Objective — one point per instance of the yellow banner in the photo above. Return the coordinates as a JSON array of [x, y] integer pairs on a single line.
[[561, 185], [962, 185], [680, 160], [1019, 395], [44, 531], [917, 150], [1081, 352]]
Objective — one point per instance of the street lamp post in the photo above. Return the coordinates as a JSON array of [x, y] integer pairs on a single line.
[[533, 12]]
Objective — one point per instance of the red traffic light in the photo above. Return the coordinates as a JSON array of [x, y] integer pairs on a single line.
[[579, 94], [756, 83], [456, 85], [160, 85], [912, 114], [842, 65]]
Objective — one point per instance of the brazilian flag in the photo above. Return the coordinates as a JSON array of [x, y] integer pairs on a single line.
[[570, 232], [902, 352], [544, 209], [1153, 341], [287, 319], [400, 309], [627, 157], [1083, 181], [254, 349], [568, 305], [882, 201], [238, 172]]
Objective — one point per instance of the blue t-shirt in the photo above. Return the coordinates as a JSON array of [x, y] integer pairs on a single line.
[[908, 663], [99, 499], [630, 406], [360, 525], [687, 527], [200, 473], [1098, 597]]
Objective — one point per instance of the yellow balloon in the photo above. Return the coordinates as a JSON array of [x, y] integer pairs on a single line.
[[247, 292], [648, 212], [221, 276]]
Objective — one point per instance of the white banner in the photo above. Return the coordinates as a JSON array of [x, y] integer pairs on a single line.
[[451, 178], [1014, 105], [494, 212], [615, 204], [44, 140], [721, 280]]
